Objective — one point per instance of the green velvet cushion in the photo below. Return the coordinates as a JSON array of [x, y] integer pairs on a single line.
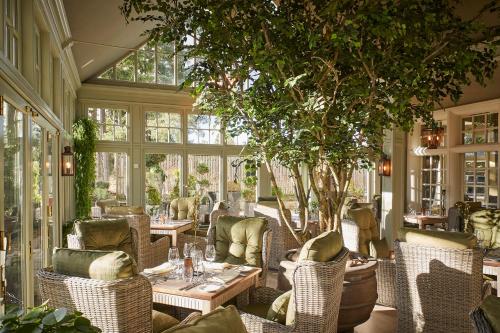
[[379, 248], [322, 248], [162, 321], [99, 265], [225, 320], [238, 240], [182, 208], [277, 311], [106, 234], [488, 221], [491, 310], [124, 210], [443, 239]]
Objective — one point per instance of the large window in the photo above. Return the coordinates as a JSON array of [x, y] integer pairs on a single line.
[[163, 127], [113, 123], [433, 184], [481, 177], [163, 180], [12, 31], [204, 129], [151, 63], [480, 128], [111, 176], [204, 175]]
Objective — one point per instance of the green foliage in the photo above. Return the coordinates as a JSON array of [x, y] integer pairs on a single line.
[[102, 184], [315, 83], [42, 319], [84, 140], [176, 190], [202, 168], [154, 196]]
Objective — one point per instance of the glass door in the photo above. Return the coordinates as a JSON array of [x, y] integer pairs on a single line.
[[12, 152]]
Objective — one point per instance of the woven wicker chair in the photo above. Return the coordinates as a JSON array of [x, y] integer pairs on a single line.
[[357, 240], [150, 253], [283, 239], [437, 287], [317, 290], [120, 306], [202, 235]]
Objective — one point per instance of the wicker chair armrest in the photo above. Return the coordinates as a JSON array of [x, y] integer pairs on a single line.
[[264, 295], [75, 242], [161, 244], [256, 324]]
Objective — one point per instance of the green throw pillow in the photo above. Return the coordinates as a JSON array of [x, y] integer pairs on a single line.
[[443, 239], [225, 320], [162, 321], [278, 309], [94, 264], [322, 248], [491, 310], [379, 248]]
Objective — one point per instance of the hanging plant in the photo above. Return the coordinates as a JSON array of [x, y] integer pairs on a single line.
[[84, 140]]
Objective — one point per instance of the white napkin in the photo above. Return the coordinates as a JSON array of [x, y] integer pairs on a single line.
[[216, 265], [225, 277], [161, 269]]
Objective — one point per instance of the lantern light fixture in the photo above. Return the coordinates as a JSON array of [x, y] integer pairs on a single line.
[[67, 162], [384, 166]]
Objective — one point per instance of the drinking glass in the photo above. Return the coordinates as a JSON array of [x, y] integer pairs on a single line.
[[197, 256], [210, 253], [174, 259], [187, 249]]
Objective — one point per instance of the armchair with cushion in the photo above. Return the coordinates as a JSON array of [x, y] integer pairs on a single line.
[[439, 280], [361, 234], [312, 305], [183, 208], [488, 222], [242, 241], [151, 251], [105, 287], [105, 203]]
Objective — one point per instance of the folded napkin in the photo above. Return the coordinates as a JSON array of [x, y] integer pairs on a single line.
[[216, 265], [225, 277], [161, 269]]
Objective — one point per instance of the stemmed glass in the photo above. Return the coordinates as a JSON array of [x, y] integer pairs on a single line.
[[197, 257], [187, 249], [210, 253], [480, 238], [174, 259]]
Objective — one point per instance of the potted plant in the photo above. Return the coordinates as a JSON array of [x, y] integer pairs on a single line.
[[319, 102], [43, 319]]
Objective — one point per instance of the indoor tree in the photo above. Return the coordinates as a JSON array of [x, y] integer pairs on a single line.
[[315, 83]]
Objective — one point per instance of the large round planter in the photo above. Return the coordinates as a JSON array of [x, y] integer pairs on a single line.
[[358, 295]]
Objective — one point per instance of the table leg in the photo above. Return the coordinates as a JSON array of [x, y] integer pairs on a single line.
[[174, 239], [206, 307]]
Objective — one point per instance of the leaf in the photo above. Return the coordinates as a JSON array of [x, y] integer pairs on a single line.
[[30, 328]]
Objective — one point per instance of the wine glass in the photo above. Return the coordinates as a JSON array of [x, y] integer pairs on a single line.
[[210, 253], [187, 249], [174, 258], [197, 257]]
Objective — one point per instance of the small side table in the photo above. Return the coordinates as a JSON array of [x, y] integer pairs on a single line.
[[171, 229]]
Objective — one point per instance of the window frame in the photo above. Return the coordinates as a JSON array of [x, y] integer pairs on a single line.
[[484, 130], [157, 127], [220, 130], [441, 173], [12, 31], [113, 107], [486, 171]]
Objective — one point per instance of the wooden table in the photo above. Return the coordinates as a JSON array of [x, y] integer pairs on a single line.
[[423, 220], [171, 228], [167, 292]]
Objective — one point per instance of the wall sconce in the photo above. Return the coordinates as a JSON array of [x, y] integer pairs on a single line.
[[67, 162], [384, 166]]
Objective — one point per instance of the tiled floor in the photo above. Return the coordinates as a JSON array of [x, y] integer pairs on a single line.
[[382, 320]]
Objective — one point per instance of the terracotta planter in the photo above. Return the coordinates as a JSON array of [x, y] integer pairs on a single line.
[[358, 296]]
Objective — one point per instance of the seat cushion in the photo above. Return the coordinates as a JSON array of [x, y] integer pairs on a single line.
[[223, 320], [94, 264], [277, 311], [124, 210], [107, 235], [379, 248], [487, 221], [182, 208], [257, 309], [239, 240], [322, 248], [162, 321], [491, 310], [443, 239], [107, 202], [367, 225]]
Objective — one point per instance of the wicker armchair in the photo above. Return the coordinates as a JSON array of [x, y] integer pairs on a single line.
[[119, 306], [150, 253], [437, 287], [220, 209], [283, 239], [357, 236], [316, 289]]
